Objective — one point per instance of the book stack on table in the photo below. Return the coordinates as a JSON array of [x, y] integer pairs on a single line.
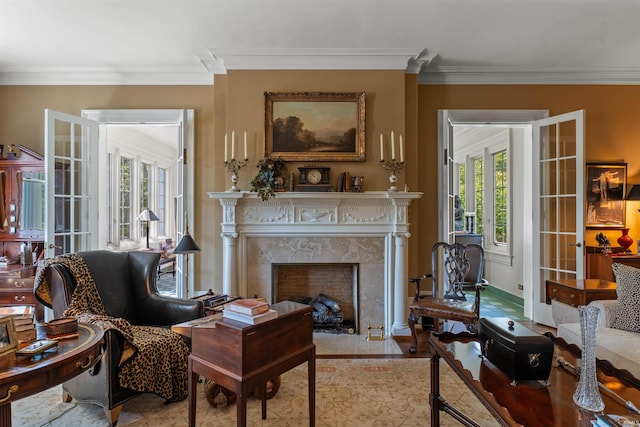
[[249, 310], [23, 321]]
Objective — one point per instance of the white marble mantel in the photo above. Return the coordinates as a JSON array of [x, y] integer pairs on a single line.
[[321, 227]]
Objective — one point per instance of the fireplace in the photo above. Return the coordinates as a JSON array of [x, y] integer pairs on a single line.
[[332, 290], [367, 229]]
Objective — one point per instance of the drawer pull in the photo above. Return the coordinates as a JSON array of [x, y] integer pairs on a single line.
[[80, 365], [554, 290], [20, 298], [19, 284], [11, 390], [572, 296]]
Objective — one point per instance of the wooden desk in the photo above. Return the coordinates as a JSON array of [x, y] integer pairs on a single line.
[[23, 376], [528, 403], [242, 357], [579, 292]]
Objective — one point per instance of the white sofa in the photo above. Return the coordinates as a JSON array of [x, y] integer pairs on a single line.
[[614, 345]]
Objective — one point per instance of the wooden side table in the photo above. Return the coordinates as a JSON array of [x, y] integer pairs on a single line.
[[579, 292], [568, 294], [243, 357]]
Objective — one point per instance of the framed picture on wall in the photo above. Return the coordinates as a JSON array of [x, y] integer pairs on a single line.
[[606, 189], [315, 126]]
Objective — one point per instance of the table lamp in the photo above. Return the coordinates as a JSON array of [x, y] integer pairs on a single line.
[[147, 215], [185, 247]]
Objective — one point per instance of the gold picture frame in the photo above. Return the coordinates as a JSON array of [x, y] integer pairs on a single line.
[[605, 193], [8, 337], [315, 126]]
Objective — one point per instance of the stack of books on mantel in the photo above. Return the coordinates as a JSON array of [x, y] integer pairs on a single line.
[[249, 310], [23, 321]]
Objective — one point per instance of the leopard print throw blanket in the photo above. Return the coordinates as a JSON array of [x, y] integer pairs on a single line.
[[154, 359]]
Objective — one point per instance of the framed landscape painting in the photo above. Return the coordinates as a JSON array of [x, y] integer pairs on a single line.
[[606, 189], [315, 126]]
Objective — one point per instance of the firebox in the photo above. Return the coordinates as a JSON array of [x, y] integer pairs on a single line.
[[331, 289]]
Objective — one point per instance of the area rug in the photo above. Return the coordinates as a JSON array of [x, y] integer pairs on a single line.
[[349, 392]]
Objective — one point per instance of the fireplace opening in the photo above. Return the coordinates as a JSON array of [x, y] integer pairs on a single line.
[[330, 288]]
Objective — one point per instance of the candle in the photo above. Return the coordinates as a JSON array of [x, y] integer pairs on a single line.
[[225, 147], [233, 144], [401, 150], [381, 148], [393, 148], [245, 145]]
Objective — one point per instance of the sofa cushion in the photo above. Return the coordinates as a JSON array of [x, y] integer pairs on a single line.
[[628, 301], [614, 345]]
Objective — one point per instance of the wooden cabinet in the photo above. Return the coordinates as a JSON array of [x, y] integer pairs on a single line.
[[599, 265], [16, 287], [579, 292], [22, 192]]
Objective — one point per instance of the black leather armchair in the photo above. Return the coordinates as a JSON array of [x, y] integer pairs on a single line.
[[126, 282]]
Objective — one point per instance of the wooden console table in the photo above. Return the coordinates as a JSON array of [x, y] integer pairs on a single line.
[[529, 403], [243, 357], [23, 376], [579, 292]]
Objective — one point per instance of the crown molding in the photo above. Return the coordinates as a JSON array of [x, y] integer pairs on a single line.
[[412, 61], [220, 60], [489, 75], [97, 76]]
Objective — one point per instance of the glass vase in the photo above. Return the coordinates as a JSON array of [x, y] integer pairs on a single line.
[[587, 395]]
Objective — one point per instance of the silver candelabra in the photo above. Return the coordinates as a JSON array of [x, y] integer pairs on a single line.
[[395, 167], [234, 167]]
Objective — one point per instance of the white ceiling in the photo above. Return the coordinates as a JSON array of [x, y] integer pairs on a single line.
[[171, 41]]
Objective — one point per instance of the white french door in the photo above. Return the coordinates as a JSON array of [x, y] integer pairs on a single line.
[[558, 205], [71, 168], [446, 229]]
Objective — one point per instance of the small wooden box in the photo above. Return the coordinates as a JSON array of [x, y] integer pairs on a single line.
[[519, 352]]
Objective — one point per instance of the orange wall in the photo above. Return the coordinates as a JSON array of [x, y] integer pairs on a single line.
[[612, 132], [394, 102], [22, 122], [387, 95]]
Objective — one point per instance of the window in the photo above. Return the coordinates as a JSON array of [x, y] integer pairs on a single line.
[[142, 184], [478, 168], [483, 186], [500, 204], [145, 198], [162, 202], [126, 181]]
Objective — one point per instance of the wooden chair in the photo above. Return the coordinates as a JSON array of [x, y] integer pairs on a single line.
[[461, 267]]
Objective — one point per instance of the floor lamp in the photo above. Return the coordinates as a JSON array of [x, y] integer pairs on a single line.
[[185, 247], [147, 215]]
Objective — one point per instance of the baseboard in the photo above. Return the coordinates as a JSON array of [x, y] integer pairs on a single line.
[[499, 293]]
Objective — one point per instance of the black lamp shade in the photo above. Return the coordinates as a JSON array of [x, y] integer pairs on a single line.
[[634, 193], [187, 245]]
